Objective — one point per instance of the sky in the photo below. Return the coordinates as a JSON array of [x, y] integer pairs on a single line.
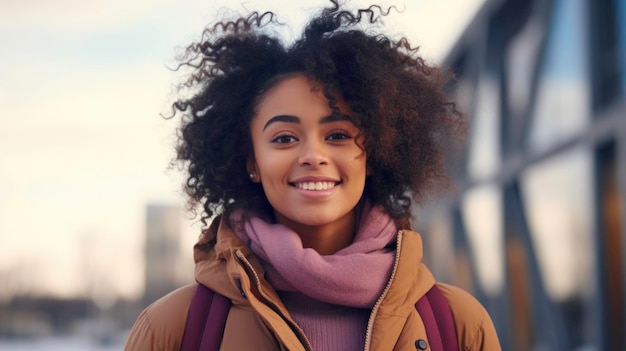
[[83, 146]]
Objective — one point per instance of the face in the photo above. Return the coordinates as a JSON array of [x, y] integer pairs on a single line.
[[305, 156]]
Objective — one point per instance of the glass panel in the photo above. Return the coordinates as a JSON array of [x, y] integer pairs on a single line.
[[484, 156], [558, 195], [563, 101], [521, 59], [482, 215], [439, 246]]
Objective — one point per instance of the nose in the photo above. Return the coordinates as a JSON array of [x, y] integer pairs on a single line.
[[313, 154]]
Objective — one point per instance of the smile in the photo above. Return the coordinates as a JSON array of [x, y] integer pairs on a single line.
[[315, 185]]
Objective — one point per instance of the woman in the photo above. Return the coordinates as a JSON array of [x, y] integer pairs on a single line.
[[309, 155]]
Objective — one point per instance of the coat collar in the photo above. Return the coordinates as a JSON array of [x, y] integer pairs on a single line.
[[218, 268], [217, 265], [411, 278]]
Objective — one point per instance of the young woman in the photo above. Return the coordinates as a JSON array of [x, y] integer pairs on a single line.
[[308, 156]]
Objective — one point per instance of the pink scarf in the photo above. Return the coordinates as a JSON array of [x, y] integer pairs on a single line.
[[355, 276]]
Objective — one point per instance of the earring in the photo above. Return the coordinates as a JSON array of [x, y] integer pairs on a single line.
[[252, 175]]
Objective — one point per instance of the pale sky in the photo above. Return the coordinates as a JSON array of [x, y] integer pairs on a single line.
[[82, 146]]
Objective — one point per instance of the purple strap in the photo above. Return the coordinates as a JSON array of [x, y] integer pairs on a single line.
[[215, 324], [435, 312], [208, 312]]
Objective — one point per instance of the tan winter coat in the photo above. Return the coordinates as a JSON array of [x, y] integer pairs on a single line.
[[258, 320]]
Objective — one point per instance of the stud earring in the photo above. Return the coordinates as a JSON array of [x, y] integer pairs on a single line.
[[252, 175]]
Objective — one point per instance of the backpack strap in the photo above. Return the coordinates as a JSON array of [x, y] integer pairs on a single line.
[[205, 321], [208, 312], [435, 312]]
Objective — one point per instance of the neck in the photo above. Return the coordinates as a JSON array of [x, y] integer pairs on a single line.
[[325, 239]]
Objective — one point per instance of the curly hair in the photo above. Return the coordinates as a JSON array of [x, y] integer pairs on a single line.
[[398, 103]]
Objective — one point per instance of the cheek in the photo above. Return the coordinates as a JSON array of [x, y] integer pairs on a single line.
[[358, 173], [361, 164], [270, 165]]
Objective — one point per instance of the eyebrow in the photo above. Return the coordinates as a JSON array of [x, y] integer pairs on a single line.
[[293, 119]]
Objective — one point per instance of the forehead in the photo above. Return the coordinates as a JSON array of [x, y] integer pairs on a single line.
[[295, 95], [289, 90]]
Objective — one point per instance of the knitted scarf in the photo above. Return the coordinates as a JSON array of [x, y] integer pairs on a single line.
[[355, 276]]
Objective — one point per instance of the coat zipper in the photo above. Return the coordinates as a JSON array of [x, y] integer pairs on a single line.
[[370, 323], [291, 322]]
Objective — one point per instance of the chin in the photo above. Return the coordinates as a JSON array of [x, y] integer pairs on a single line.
[[318, 219], [314, 222]]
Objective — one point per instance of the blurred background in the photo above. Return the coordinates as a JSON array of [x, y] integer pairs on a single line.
[[92, 226], [536, 223]]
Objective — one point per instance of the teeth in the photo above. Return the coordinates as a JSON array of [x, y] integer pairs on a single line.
[[316, 185]]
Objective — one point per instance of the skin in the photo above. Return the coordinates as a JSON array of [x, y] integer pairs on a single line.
[[306, 159]]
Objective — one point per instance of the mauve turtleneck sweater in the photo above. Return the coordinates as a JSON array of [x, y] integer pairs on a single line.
[[328, 327]]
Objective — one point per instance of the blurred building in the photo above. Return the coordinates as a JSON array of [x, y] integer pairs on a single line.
[[535, 228], [162, 251]]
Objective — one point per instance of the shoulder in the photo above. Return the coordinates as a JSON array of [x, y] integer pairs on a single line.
[[474, 327], [161, 325], [464, 306]]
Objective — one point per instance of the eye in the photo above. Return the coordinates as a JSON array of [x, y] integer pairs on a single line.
[[338, 135], [284, 139]]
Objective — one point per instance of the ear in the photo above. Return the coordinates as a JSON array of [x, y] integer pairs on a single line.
[[252, 170], [368, 169]]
